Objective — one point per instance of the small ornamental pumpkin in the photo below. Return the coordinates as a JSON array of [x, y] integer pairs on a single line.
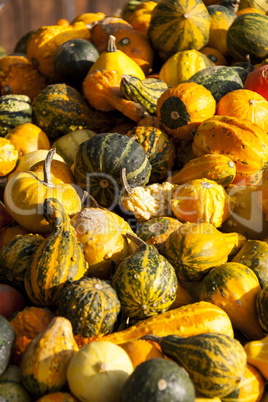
[[214, 55], [60, 108], [8, 232], [177, 26], [201, 200], [27, 138], [141, 16], [100, 160], [26, 191], [98, 371], [7, 61], [59, 258], [182, 109], [115, 59], [145, 282], [101, 88], [182, 65], [102, 235], [159, 148], [23, 79], [257, 81], [256, 351], [240, 140], [58, 169], [139, 351], [234, 287], [8, 156], [14, 110], [91, 305], [217, 167], [245, 104], [88, 18], [58, 397], [44, 362], [43, 43], [221, 18]]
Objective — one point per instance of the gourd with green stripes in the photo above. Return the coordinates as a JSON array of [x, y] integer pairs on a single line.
[[215, 362], [58, 259], [146, 92], [14, 110]]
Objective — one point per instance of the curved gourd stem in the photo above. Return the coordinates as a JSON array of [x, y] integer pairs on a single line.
[[47, 167], [151, 337], [137, 240], [124, 182]]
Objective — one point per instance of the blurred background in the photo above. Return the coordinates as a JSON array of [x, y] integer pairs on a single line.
[[17, 17]]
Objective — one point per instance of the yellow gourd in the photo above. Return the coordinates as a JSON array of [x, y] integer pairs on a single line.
[[115, 59], [257, 355]]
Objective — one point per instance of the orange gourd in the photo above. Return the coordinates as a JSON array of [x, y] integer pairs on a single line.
[[139, 351]]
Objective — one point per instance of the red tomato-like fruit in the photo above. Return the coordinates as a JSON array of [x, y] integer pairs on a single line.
[[257, 80], [11, 300]]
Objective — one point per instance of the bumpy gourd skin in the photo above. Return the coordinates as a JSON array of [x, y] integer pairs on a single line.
[[58, 259]]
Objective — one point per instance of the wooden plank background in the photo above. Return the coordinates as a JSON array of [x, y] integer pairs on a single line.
[[17, 17]]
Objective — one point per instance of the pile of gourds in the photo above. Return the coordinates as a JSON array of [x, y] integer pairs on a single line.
[[134, 206]]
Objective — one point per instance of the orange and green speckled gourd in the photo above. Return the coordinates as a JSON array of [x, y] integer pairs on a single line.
[[58, 259]]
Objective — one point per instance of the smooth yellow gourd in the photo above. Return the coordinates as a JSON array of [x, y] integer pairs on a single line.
[[257, 355]]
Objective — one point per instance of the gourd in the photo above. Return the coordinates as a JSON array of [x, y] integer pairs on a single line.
[[102, 235], [234, 287], [217, 167], [11, 386], [201, 200], [196, 354], [88, 18], [100, 160], [245, 104], [158, 380], [246, 36], [66, 146], [44, 42], [250, 388], [44, 361], [177, 26], [256, 351], [16, 256], [191, 319], [8, 157], [159, 148], [145, 282], [58, 169], [11, 300], [240, 140], [73, 60], [195, 248], [22, 79], [181, 109], [98, 372], [140, 16], [146, 92], [254, 255], [214, 55], [15, 110], [26, 191], [220, 80], [7, 340], [60, 108], [182, 65], [101, 88], [114, 59], [261, 304], [27, 324], [246, 217], [140, 351], [27, 138], [59, 258], [257, 81], [221, 18], [90, 304], [57, 397]]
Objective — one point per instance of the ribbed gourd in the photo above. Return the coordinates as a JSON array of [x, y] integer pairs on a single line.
[[58, 258], [261, 304], [100, 160], [90, 304], [15, 110], [145, 282], [215, 362]]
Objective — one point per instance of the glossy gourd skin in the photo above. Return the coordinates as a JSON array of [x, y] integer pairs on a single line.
[[196, 354], [91, 305], [176, 26], [44, 362], [262, 303], [146, 283], [158, 380], [99, 161], [234, 287], [15, 110], [59, 258], [240, 140], [257, 351]]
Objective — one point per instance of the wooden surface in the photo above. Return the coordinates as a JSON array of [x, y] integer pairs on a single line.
[[17, 17]]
